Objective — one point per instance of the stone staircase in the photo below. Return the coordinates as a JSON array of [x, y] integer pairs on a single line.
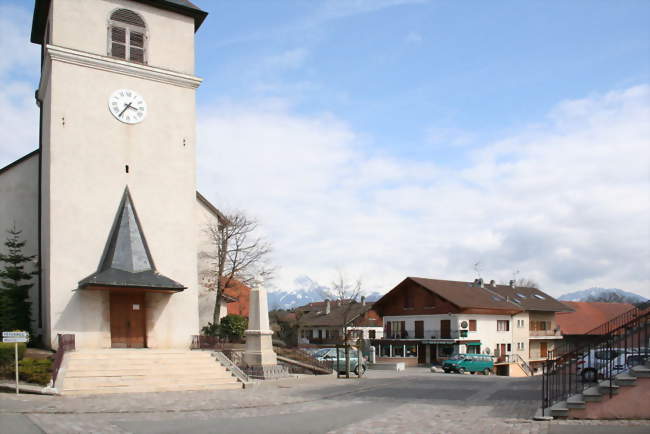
[[142, 370], [600, 392]]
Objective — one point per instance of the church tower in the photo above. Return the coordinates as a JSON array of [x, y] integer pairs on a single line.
[[118, 236]]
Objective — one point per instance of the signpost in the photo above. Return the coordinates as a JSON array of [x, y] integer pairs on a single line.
[[15, 337]]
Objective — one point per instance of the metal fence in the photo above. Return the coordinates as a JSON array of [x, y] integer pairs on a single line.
[[621, 344]]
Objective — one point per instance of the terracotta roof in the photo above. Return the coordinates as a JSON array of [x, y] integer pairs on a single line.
[[339, 313], [241, 294], [588, 315], [467, 295]]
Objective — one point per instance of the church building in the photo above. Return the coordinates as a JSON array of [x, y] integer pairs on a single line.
[[108, 201]]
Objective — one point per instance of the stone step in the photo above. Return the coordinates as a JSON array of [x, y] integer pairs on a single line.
[[575, 401], [140, 363], [592, 394], [605, 387], [625, 380], [148, 389], [155, 371], [140, 356], [640, 371], [559, 409], [81, 383]]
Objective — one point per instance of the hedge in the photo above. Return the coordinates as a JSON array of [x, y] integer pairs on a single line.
[[7, 356]]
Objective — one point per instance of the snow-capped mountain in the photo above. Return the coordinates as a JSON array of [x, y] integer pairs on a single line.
[[603, 294], [305, 291]]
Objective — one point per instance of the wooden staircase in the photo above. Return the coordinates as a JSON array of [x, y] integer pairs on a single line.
[[142, 370]]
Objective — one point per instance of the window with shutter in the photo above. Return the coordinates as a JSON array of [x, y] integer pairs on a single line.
[[127, 36]]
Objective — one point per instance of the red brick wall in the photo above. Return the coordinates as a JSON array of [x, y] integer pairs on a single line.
[[393, 304]]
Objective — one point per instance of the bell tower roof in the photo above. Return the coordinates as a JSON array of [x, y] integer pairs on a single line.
[[126, 261], [183, 7]]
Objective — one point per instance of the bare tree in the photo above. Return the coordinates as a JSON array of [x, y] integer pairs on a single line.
[[347, 294], [237, 254]]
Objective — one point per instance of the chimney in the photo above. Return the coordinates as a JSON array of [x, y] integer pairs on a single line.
[[479, 282], [493, 284], [512, 284], [363, 300], [327, 307]]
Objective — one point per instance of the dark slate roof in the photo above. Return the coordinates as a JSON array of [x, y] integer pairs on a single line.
[[339, 312], [183, 7], [126, 261]]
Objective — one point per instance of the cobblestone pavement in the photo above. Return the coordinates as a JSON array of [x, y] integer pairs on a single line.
[[414, 401]]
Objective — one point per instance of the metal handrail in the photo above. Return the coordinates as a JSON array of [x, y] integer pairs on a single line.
[[516, 358], [620, 344], [66, 342], [229, 365]]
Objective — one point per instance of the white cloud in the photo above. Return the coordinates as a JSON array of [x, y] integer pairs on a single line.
[[345, 8], [289, 59], [566, 203], [413, 37]]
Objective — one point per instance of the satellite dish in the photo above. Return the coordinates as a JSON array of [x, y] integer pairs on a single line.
[[487, 350]]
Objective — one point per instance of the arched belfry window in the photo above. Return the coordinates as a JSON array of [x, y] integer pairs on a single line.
[[127, 35]]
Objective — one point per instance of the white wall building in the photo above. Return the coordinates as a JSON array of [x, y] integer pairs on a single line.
[[109, 202]]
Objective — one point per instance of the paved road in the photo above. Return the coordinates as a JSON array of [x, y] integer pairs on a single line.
[[384, 402]]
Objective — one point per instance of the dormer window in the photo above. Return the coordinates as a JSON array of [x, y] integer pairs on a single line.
[[126, 36]]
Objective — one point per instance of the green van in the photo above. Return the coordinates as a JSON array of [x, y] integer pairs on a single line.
[[462, 363]]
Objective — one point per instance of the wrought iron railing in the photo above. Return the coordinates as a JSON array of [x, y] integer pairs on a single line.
[[65, 343], [229, 365], [610, 349], [200, 342], [516, 358]]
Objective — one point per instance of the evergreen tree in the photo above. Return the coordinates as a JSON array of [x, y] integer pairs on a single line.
[[15, 283]]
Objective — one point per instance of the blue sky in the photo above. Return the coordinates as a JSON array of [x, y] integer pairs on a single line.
[[387, 138], [416, 73]]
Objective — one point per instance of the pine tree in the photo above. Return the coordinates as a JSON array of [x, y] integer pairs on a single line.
[[15, 283]]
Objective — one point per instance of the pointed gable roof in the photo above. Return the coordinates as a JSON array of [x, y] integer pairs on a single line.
[[127, 261]]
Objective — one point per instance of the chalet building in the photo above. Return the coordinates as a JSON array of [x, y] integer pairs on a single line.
[[427, 320], [323, 323]]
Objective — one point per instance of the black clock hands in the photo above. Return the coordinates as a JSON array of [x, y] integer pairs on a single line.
[[123, 110]]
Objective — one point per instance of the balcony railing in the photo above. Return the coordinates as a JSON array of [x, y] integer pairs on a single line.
[[426, 334], [554, 333]]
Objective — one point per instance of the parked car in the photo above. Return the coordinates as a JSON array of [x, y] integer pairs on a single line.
[[598, 362], [329, 355], [462, 363]]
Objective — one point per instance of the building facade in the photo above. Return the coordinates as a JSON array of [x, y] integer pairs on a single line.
[[109, 201], [428, 320]]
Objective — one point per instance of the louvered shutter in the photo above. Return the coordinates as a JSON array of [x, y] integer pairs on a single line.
[[118, 42]]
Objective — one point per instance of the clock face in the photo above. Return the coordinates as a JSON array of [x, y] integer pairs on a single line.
[[127, 106]]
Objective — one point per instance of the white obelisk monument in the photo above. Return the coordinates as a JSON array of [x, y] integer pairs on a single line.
[[259, 345]]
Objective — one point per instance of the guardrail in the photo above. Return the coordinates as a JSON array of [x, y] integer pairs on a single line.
[[229, 365], [304, 357], [66, 342]]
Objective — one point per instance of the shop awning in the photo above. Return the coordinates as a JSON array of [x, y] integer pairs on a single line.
[[469, 344]]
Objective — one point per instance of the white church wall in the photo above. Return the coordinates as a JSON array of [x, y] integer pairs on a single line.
[[19, 207], [170, 44], [207, 298], [87, 151]]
